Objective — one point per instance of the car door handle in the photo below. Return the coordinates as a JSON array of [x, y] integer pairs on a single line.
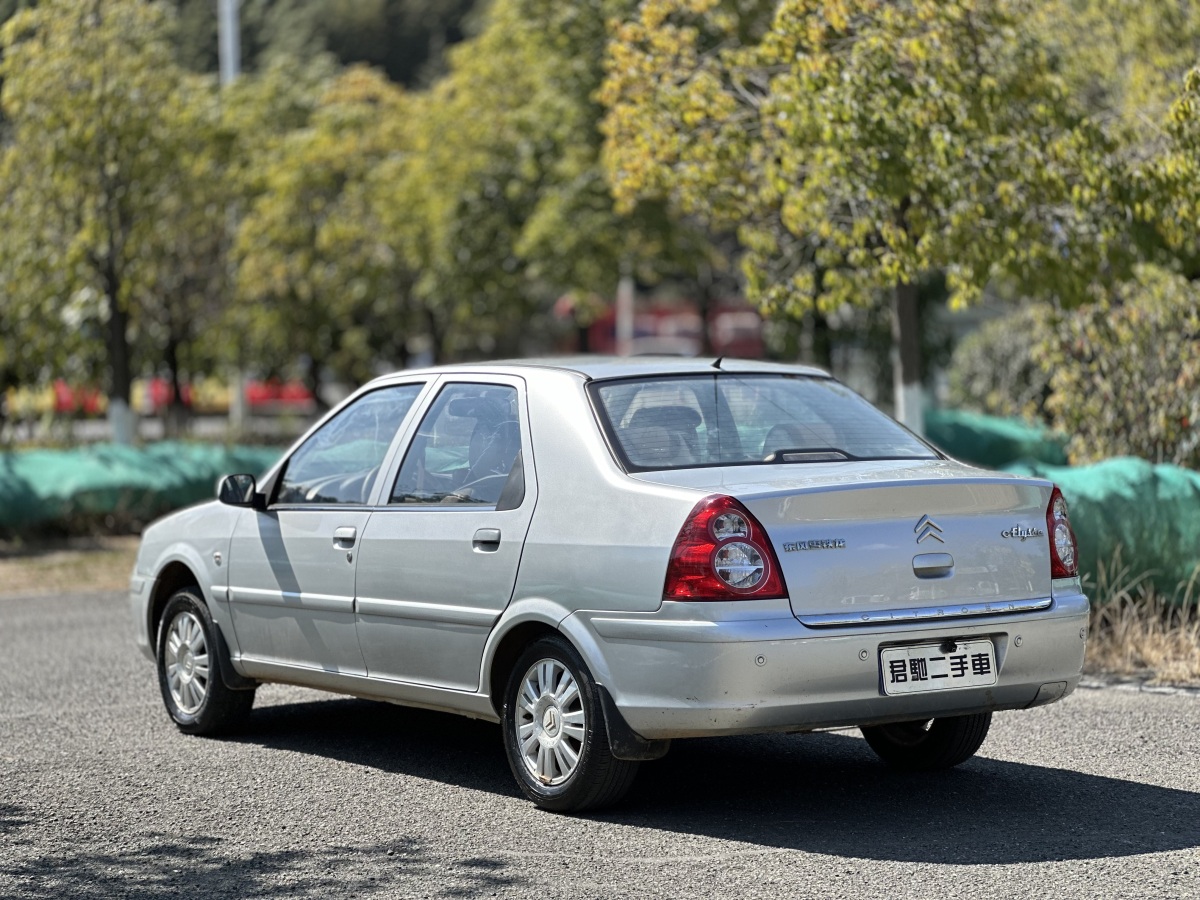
[[487, 540], [344, 537]]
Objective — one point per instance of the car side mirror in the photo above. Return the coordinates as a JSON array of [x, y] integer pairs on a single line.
[[237, 490]]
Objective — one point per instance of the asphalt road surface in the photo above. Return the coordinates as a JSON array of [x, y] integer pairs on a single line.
[[100, 796]]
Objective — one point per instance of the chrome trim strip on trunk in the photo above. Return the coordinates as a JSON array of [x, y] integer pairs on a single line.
[[945, 611]]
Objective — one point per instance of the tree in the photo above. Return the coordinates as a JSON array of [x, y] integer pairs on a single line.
[[863, 144], [319, 279], [1123, 59], [85, 84], [185, 274], [1124, 374], [502, 200]]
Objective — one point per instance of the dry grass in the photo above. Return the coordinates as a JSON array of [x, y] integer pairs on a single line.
[[66, 565], [1140, 633]]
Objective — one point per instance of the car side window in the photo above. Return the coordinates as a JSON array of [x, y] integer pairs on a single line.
[[467, 450], [340, 462]]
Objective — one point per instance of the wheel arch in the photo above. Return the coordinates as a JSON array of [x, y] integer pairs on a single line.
[[174, 576], [509, 648], [523, 623]]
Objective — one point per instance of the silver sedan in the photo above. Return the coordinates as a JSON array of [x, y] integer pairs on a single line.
[[605, 555]]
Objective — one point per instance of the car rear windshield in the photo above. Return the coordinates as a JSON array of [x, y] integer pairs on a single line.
[[723, 419]]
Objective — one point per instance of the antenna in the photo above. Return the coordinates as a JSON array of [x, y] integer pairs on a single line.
[[717, 362]]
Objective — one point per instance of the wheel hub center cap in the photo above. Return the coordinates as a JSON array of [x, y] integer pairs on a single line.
[[551, 722]]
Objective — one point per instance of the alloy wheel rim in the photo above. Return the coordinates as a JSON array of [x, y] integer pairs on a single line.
[[185, 656], [551, 722]]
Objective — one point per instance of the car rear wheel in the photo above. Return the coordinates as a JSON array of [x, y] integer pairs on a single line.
[[189, 670], [555, 735], [930, 744]]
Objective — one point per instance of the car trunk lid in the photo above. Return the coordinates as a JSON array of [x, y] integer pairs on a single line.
[[866, 542]]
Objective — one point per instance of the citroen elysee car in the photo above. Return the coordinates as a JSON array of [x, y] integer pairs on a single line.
[[606, 555]]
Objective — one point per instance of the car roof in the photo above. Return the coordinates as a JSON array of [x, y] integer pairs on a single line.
[[605, 367]]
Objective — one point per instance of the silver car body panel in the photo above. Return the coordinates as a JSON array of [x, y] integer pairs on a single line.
[[432, 581], [591, 565], [196, 538], [291, 585]]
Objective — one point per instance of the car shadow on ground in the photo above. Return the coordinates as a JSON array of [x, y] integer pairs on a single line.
[[172, 866], [822, 793]]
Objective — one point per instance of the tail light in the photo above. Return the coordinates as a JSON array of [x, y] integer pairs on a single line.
[[722, 553], [1064, 556]]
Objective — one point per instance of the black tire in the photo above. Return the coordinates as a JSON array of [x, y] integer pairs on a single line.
[[929, 745], [566, 723], [189, 662]]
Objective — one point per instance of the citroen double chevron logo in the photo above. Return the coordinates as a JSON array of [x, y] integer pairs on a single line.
[[927, 528]]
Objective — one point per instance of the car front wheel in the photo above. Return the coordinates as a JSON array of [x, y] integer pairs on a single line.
[[189, 670], [931, 744], [555, 735]]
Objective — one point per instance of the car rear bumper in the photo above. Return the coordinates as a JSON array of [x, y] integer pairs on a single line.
[[686, 672]]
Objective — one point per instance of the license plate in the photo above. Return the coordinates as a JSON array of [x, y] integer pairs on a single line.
[[937, 667]]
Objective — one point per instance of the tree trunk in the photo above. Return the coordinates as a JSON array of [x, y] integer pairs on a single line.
[[7, 380], [176, 411], [625, 309], [906, 340], [435, 336], [816, 341], [312, 380], [704, 302], [121, 417]]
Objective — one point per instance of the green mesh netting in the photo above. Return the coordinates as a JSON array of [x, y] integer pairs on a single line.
[[991, 441], [48, 487], [1151, 512]]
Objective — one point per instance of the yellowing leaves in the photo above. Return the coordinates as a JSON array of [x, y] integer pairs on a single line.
[[892, 139]]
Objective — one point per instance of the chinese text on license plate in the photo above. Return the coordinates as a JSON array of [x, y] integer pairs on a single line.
[[937, 667]]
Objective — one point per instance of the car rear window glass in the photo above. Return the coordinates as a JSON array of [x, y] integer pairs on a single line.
[[732, 419]]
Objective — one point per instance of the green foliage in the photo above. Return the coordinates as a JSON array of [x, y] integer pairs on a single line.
[[1171, 184], [501, 201], [318, 277], [1124, 374], [90, 159], [1120, 377], [367, 220], [1123, 59], [993, 371], [864, 143]]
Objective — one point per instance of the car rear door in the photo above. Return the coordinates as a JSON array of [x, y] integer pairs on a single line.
[[438, 559]]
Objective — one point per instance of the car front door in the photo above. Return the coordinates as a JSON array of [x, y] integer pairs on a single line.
[[291, 566], [437, 563]]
